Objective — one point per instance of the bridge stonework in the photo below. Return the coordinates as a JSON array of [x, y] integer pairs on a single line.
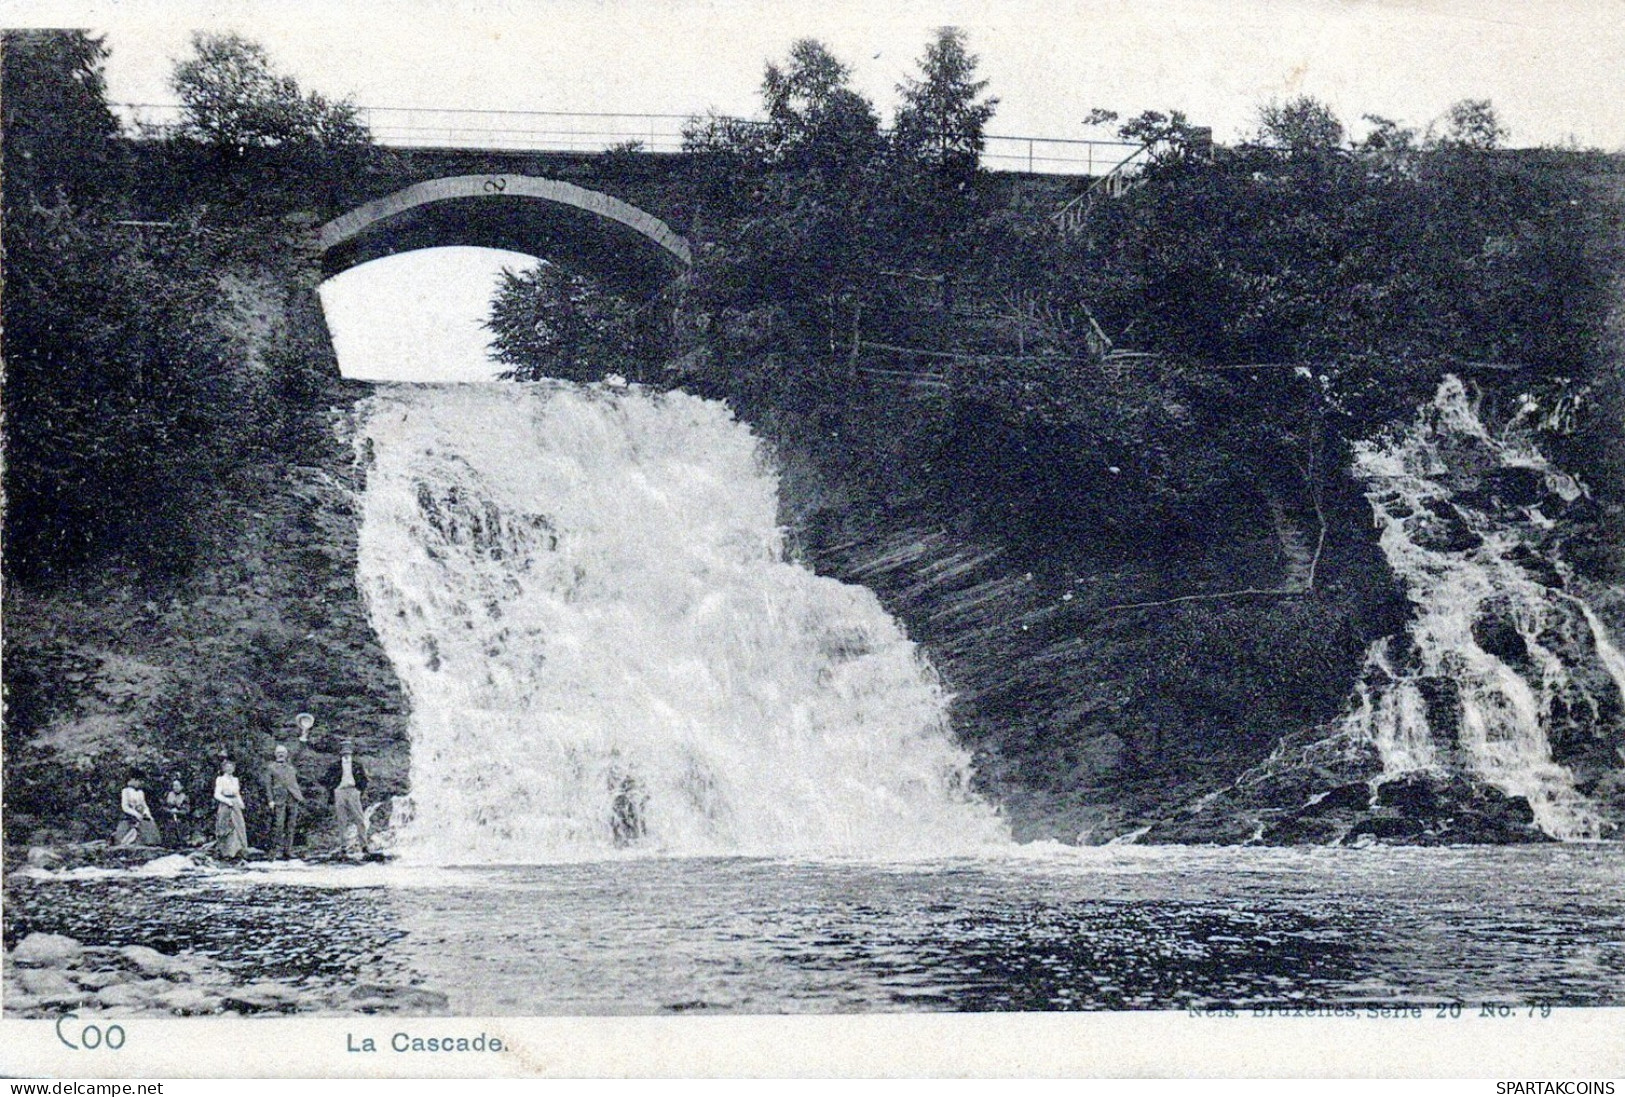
[[503, 188], [619, 220]]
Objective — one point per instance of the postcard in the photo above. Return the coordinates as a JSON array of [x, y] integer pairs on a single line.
[[703, 539]]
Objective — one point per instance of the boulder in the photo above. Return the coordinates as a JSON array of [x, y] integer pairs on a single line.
[[96, 980], [1515, 487], [201, 970], [1305, 830], [148, 961], [1385, 828], [1445, 532], [1354, 796], [47, 950], [260, 996], [1499, 636], [20, 1002], [136, 995], [43, 857], [50, 986], [1498, 805], [190, 1001], [1412, 794], [385, 998]]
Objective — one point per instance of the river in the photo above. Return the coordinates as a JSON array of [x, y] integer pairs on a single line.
[[1034, 928]]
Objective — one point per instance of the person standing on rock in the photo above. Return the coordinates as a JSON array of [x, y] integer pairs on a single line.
[[287, 802], [347, 777], [230, 830], [137, 827]]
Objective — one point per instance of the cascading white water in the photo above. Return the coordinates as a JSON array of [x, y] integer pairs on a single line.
[[584, 593], [1465, 562]]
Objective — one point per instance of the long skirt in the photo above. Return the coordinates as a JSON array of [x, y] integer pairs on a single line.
[[176, 828], [142, 833], [230, 834]]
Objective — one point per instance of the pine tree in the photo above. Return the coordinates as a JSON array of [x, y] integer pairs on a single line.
[[943, 117]]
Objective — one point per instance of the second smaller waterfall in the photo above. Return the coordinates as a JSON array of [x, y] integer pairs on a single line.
[[1502, 650]]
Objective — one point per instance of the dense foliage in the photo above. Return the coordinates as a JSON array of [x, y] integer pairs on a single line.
[[103, 330], [1380, 266], [815, 220], [122, 414], [550, 322], [57, 123], [232, 98]]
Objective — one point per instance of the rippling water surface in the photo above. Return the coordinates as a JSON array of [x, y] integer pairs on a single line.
[[1115, 928]]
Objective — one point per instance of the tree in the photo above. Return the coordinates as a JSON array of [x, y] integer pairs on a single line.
[[1472, 124], [806, 85], [58, 128], [231, 98], [814, 120], [1300, 126], [116, 391], [550, 322], [942, 119]]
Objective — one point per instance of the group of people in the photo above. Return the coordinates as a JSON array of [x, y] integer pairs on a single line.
[[346, 778]]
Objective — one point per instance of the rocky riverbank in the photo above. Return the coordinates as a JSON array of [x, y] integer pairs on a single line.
[[47, 973]]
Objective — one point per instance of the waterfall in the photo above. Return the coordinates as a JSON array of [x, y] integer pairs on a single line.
[[584, 592], [1497, 640]]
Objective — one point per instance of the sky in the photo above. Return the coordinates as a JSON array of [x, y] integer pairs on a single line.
[[1553, 69], [417, 315]]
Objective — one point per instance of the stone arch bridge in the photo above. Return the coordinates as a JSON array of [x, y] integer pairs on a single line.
[[620, 244]]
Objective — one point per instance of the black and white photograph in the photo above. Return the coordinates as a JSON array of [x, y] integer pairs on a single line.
[[636, 512]]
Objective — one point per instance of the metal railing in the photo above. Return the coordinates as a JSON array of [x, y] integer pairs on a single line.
[[1114, 183], [586, 131]]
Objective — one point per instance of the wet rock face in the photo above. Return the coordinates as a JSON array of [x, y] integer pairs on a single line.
[[1413, 795], [1442, 698], [1355, 796], [1310, 791], [1330, 791], [1446, 531], [1432, 809], [1506, 489], [1501, 638]]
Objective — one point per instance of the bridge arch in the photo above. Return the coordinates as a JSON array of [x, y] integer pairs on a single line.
[[624, 246]]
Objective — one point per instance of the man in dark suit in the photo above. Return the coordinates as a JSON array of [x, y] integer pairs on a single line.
[[347, 777]]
